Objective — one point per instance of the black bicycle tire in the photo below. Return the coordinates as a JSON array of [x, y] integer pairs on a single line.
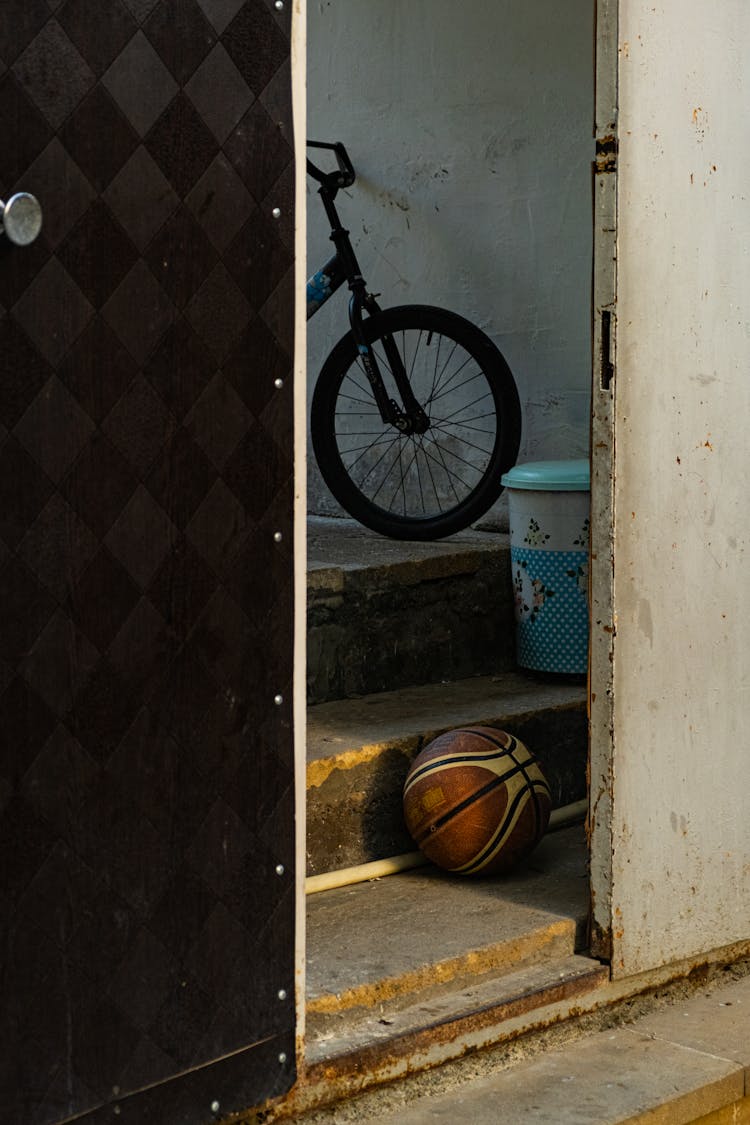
[[507, 441]]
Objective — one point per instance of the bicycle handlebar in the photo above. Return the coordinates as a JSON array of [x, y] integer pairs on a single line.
[[345, 175]]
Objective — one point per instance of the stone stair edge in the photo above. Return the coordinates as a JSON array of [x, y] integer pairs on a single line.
[[508, 705], [551, 938], [481, 1001], [320, 769], [325, 579], [342, 553]]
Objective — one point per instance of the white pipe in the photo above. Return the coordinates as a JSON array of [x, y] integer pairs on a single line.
[[346, 876]]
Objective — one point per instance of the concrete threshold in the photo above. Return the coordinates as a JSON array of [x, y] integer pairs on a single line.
[[667, 1047], [688, 1062], [405, 968]]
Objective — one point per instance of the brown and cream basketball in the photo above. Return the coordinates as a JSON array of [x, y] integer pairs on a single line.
[[476, 801]]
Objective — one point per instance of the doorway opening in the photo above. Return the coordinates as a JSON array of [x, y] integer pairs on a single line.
[[470, 130]]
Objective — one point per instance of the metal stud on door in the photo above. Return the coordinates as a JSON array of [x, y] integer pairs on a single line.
[[21, 218], [146, 774]]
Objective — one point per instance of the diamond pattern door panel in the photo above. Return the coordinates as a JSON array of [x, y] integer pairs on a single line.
[[146, 765]]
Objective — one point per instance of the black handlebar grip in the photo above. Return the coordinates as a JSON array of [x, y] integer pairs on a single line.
[[344, 177]]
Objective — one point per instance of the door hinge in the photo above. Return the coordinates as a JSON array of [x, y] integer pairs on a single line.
[[606, 154], [607, 370]]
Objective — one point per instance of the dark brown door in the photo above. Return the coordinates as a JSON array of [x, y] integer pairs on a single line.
[[146, 771]]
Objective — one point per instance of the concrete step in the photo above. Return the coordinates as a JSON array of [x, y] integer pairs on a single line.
[[402, 966], [381, 939], [383, 614], [687, 1062], [344, 1043], [359, 752]]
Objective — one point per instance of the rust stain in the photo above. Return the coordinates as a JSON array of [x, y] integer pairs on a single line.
[[606, 153], [356, 1070], [700, 121], [384, 1060], [601, 942]]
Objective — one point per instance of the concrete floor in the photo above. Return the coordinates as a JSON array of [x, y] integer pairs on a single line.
[[677, 1056]]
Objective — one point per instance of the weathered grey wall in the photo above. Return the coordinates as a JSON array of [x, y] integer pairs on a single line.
[[470, 125]]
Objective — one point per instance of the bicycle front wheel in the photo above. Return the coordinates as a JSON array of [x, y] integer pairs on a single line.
[[417, 485]]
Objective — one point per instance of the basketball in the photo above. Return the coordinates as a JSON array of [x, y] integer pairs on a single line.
[[476, 801]]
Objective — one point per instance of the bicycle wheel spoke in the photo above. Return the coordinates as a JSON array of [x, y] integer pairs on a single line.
[[362, 389], [429, 470], [470, 444], [444, 384], [363, 448], [467, 424], [468, 406], [438, 379], [377, 463], [419, 475], [452, 453], [385, 478], [452, 390], [439, 423], [414, 357], [449, 475], [402, 483], [404, 474]]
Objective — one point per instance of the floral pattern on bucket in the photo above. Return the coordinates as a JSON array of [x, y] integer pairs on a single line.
[[583, 536], [530, 594], [581, 576], [535, 537]]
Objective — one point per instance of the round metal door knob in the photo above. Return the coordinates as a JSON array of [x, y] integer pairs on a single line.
[[21, 218]]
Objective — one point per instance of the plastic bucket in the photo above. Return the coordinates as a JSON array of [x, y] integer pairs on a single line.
[[549, 504]]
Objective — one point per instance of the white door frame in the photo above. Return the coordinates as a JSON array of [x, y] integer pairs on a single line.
[[670, 666]]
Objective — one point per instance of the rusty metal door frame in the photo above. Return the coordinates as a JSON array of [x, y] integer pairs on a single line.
[[604, 323]]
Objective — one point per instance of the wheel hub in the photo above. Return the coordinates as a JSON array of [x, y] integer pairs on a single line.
[[407, 424]]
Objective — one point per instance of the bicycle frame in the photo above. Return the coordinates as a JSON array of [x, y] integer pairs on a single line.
[[343, 266]]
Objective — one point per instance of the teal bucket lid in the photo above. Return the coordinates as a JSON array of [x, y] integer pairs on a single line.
[[550, 476]]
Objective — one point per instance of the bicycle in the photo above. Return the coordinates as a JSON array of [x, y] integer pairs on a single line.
[[415, 413]]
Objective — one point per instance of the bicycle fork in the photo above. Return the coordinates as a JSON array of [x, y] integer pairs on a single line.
[[412, 418]]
